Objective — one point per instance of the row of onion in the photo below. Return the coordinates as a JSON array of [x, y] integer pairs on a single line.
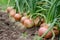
[[28, 23]]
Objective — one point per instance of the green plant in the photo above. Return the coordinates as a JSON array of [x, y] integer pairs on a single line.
[[51, 17], [5, 3]]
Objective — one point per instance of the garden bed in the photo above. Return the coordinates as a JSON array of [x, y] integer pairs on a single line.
[[11, 30]]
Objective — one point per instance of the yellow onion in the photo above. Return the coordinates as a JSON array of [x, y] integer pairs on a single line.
[[23, 18], [17, 17], [37, 21], [42, 30], [28, 23], [9, 9], [13, 12]]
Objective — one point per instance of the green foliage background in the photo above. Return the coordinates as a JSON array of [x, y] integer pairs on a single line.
[[4, 3]]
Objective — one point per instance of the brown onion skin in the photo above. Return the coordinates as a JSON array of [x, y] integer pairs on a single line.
[[36, 21], [28, 23], [56, 32], [9, 9], [23, 18], [42, 30], [17, 17], [42, 20], [44, 39], [44, 25], [13, 12]]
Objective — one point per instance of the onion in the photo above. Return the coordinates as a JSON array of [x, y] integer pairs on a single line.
[[44, 25], [56, 31], [44, 39], [23, 18], [42, 30], [13, 12], [36, 21], [28, 23], [9, 9], [17, 17]]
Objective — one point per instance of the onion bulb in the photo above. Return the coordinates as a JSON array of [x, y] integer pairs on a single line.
[[28, 23], [17, 17], [23, 18], [56, 31], [42, 30], [13, 12], [36, 21], [9, 9]]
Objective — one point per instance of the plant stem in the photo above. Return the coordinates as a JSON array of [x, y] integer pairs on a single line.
[[8, 3], [53, 35], [27, 4], [50, 12], [17, 5]]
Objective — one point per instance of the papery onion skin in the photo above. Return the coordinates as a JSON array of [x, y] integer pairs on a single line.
[[17, 17], [28, 23], [42, 30], [23, 18], [9, 9], [13, 12]]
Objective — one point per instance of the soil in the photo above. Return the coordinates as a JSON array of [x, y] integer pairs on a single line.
[[10, 30]]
